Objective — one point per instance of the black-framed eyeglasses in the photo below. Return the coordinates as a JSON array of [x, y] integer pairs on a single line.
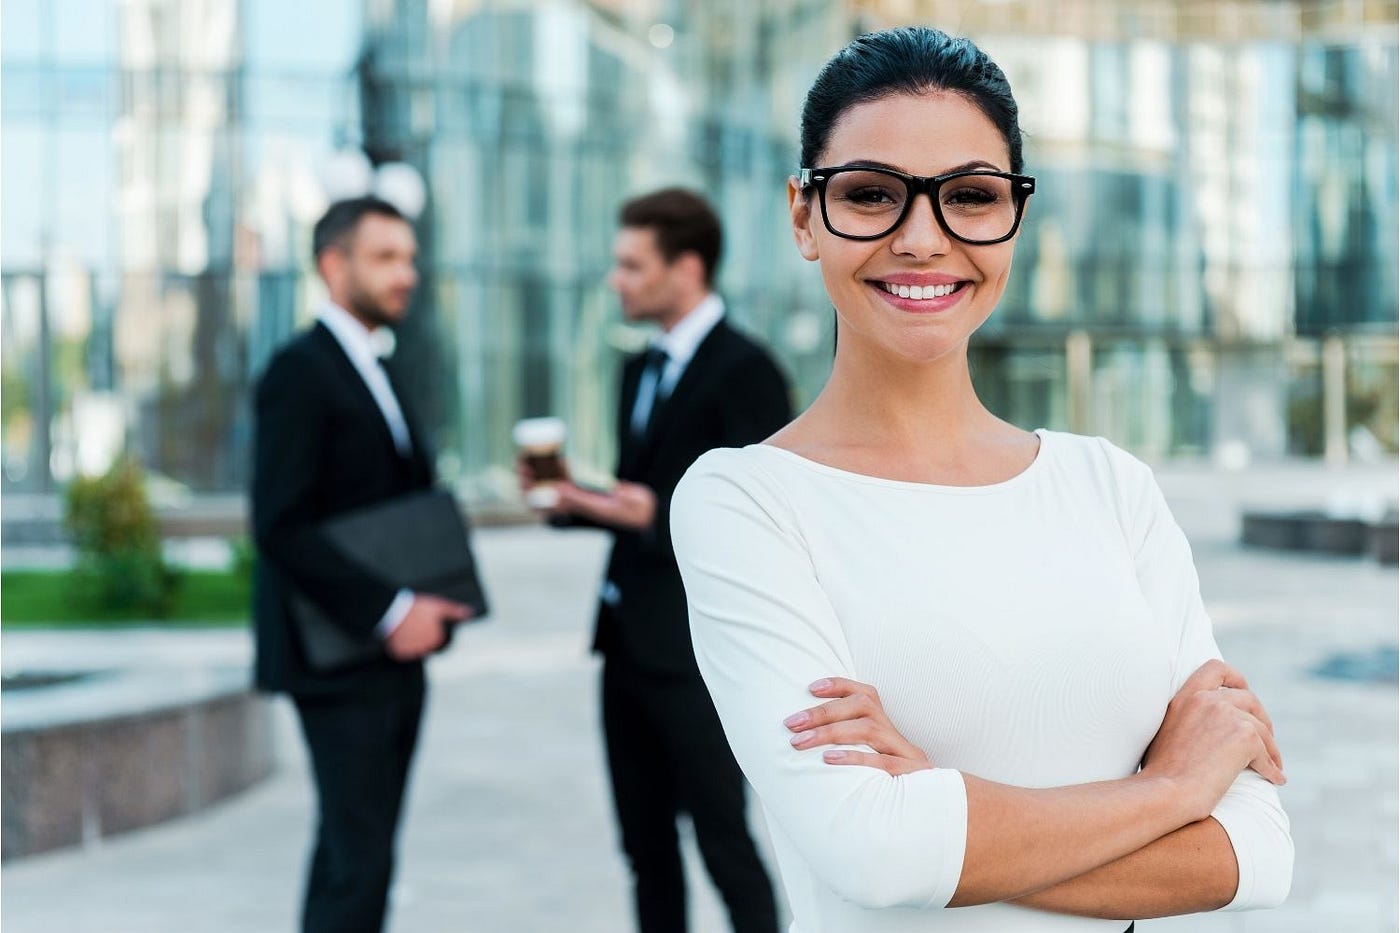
[[975, 207]]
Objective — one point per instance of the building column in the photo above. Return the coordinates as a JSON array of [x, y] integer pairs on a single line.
[[1334, 399], [1079, 373]]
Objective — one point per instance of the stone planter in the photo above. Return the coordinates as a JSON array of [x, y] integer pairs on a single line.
[[1281, 530], [1385, 541], [123, 750], [1313, 531]]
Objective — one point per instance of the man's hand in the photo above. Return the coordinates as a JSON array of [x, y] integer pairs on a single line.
[[626, 505], [525, 477], [424, 629]]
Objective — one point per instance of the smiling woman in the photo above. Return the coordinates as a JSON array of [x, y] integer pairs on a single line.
[[886, 229], [1025, 713]]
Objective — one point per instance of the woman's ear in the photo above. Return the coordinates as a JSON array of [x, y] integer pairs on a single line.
[[800, 209]]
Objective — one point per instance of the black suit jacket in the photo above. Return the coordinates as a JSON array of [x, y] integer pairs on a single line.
[[321, 447], [731, 394]]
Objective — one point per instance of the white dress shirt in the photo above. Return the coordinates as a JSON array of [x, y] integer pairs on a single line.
[[358, 342], [681, 341]]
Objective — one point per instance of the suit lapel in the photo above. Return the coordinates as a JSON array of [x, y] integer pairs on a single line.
[[352, 375], [628, 443], [419, 444]]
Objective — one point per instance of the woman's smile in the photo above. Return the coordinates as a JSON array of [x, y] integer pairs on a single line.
[[921, 292]]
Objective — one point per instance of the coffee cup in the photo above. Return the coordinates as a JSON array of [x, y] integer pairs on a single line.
[[540, 444]]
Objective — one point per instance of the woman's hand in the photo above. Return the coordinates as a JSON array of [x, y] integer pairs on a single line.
[[854, 716], [1214, 729]]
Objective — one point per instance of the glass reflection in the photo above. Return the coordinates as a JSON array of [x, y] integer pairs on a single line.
[[1208, 210]]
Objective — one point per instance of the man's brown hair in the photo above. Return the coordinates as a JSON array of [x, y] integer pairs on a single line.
[[683, 222]]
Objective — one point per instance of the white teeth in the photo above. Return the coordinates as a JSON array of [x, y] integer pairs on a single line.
[[919, 292]]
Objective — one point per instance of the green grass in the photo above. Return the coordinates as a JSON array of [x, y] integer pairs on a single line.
[[49, 599]]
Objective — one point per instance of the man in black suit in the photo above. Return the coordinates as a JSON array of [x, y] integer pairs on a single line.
[[701, 385], [334, 433]]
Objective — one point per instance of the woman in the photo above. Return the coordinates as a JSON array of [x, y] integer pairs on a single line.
[[1054, 744]]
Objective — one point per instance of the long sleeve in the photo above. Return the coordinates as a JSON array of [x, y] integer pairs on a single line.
[[763, 630], [1250, 811], [288, 444]]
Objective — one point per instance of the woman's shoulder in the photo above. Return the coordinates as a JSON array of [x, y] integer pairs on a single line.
[[737, 478], [1097, 457], [1102, 473], [746, 468]]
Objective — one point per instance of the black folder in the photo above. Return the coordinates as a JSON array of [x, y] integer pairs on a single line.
[[418, 542]]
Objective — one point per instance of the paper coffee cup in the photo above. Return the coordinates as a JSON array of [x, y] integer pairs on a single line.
[[540, 443]]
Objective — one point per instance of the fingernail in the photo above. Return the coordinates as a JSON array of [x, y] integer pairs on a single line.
[[823, 684], [834, 754], [800, 738], [796, 719]]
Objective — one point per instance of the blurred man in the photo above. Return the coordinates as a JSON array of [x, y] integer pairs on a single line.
[[701, 385], [334, 433]]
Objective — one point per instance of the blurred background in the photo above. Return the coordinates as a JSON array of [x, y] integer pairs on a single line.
[[1207, 276], [1208, 268]]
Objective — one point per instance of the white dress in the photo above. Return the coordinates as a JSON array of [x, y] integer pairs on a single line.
[[1029, 632]]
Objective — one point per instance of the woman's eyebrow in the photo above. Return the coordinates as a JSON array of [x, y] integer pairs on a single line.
[[965, 167]]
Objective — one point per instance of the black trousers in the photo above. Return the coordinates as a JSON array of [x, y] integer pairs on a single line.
[[360, 752], [667, 754]]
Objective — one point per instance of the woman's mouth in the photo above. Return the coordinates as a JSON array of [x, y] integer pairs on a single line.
[[921, 298], [920, 292]]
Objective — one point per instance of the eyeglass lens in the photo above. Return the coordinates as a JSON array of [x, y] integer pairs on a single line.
[[870, 203]]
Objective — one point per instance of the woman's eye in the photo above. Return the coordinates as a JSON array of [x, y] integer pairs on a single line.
[[871, 195], [970, 197]]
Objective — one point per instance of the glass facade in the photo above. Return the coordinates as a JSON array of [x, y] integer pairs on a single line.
[[533, 123], [1211, 246], [1207, 210], [159, 165]]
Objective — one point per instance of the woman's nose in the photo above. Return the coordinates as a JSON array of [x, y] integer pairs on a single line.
[[921, 234]]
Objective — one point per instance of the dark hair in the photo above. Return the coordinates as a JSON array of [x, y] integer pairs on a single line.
[[337, 225], [683, 222], [907, 60]]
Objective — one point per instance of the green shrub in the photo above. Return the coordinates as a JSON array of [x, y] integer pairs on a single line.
[[120, 567], [245, 557]]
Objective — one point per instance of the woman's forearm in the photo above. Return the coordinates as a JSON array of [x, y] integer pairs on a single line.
[[1187, 871], [1021, 841]]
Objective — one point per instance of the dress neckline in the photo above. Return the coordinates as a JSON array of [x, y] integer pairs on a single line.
[[1035, 467]]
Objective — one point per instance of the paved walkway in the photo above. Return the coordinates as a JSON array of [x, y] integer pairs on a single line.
[[508, 827]]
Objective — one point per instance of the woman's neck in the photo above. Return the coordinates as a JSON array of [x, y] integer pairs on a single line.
[[883, 402], [908, 420]]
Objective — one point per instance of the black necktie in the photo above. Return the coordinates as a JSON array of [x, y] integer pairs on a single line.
[[648, 390]]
